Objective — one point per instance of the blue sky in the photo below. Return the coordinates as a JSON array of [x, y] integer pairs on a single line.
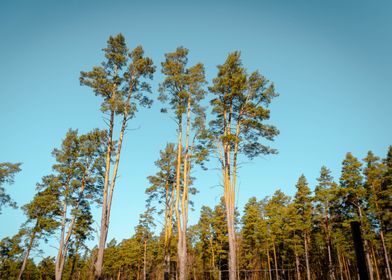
[[331, 63]]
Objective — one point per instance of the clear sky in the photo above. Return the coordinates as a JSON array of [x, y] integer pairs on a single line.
[[331, 62]]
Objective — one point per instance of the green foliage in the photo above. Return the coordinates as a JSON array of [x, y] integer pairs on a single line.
[[242, 99], [7, 175], [121, 79]]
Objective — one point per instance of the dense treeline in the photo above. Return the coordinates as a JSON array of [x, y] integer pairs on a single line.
[[306, 236]]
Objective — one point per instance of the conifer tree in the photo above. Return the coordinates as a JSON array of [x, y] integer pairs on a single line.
[[276, 215], [42, 216], [252, 234], [79, 168], [162, 189], [121, 82], [182, 88], [383, 203], [353, 190], [303, 204], [240, 107], [324, 195]]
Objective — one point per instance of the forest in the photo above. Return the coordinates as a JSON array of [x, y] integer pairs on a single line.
[[222, 121]]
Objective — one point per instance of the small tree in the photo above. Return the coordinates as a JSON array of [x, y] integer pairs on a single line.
[[241, 108], [121, 82]]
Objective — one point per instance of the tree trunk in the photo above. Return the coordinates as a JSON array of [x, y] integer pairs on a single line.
[[297, 264], [375, 264], [60, 254], [269, 263], [386, 258], [307, 256], [103, 230], [73, 263], [26, 257], [232, 248], [145, 261], [178, 194], [276, 263]]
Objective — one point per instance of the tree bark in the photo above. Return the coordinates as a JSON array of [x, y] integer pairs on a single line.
[[386, 258], [103, 230], [276, 263], [307, 256], [178, 190], [297, 264], [26, 257]]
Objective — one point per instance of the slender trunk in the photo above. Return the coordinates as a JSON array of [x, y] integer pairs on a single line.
[[368, 260], [103, 230], [26, 256], [386, 257], [375, 264], [269, 263], [168, 231], [184, 199], [60, 254], [109, 189], [340, 264], [307, 256], [73, 263], [275, 262], [328, 241], [297, 264], [178, 194], [145, 261]]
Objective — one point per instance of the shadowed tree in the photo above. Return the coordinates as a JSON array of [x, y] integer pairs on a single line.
[[182, 88], [240, 107], [7, 174], [121, 82]]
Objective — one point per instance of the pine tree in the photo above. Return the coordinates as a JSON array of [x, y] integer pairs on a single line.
[[324, 195], [240, 107], [276, 218], [162, 189], [252, 235], [353, 190], [42, 216], [384, 203], [79, 165], [182, 88], [121, 82], [303, 204]]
